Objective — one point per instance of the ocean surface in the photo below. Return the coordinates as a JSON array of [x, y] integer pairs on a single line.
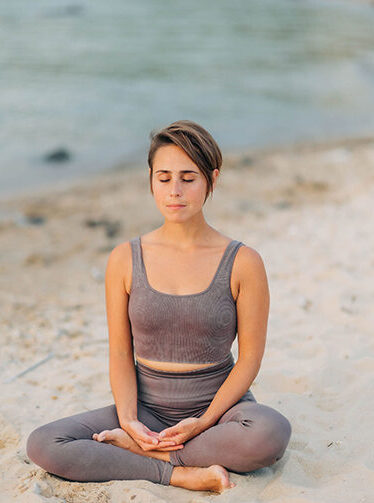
[[94, 78]]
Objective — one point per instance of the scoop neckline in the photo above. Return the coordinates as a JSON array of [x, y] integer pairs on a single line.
[[185, 294]]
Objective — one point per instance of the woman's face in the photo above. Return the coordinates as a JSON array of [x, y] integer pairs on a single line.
[[177, 180]]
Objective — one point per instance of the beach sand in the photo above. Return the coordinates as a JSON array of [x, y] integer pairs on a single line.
[[308, 210]]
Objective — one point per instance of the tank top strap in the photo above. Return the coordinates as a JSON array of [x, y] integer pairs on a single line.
[[222, 276], [137, 269], [224, 273]]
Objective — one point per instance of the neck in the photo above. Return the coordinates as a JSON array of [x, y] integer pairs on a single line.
[[186, 234]]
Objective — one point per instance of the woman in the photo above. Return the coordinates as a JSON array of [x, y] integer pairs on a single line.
[[176, 297]]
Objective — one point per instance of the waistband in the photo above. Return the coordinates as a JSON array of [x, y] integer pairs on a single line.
[[218, 367]]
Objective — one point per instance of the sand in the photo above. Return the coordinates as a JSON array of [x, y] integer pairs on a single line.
[[308, 210]]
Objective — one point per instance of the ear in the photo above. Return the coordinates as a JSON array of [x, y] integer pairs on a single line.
[[216, 174]]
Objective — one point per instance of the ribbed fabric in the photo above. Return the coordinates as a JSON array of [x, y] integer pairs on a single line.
[[173, 396], [191, 328]]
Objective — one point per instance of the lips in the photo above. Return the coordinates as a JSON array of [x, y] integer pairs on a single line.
[[175, 205]]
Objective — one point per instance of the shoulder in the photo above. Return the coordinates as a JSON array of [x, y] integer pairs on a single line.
[[249, 267], [119, 263], [249, 257], [120, 253]]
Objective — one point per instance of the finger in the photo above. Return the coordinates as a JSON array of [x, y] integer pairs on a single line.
[[171, 448], [151, 433], [166, 444], [141, 431], [176, 438], [148, 447], [148, 439], [168, 433]]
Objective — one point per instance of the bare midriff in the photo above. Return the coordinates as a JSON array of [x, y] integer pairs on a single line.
[[172, 366]]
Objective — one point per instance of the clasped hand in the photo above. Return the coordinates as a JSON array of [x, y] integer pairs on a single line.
[[169, 439]]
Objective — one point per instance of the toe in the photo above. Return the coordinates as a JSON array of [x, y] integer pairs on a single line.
[[103, 436]]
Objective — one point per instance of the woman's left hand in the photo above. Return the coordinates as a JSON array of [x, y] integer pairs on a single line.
[[182, 431]]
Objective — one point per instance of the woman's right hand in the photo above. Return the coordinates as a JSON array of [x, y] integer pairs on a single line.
[[147, 439]]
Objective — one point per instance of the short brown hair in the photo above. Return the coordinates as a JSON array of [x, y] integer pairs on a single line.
[[197, 143]]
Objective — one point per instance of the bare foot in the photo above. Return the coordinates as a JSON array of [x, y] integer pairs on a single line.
[[117, 437], [214, 478], [120, 438]]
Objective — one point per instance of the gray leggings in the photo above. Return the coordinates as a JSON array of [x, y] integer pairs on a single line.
[[246, 437]]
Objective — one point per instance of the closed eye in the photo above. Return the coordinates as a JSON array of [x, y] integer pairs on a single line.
[[188, 181]]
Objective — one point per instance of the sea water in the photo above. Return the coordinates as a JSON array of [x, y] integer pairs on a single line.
[[94, 78]]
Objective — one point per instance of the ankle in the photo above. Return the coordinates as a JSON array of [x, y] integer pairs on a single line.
[[213, 478]]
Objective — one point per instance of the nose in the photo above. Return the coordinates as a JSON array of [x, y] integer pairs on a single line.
[[175, 187]]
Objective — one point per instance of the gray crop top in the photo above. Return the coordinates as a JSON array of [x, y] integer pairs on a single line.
[[191, 328]]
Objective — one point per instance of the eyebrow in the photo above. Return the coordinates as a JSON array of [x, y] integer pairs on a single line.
[[182, 171]]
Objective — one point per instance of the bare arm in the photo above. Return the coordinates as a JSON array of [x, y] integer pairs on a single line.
[[121, 354], [252, 313], [121, 360]]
